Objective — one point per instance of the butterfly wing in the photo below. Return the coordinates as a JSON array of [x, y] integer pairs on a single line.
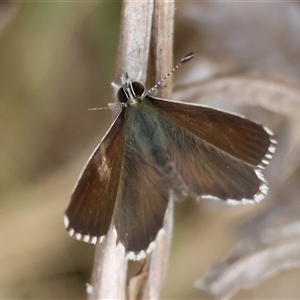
[[89, 214], [216, 153]]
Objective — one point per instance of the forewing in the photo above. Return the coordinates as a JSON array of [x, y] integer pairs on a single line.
[[216, 153], [231, 134], [89, 215]]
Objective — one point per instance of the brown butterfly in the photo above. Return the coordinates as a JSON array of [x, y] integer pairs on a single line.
[[156, 147]]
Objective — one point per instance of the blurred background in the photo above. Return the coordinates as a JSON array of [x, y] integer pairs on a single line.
[[58, 59]]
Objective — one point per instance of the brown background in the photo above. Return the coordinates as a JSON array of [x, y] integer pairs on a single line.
[[56, 61]]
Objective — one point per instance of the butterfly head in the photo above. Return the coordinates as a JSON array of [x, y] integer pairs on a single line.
[[130, 92]]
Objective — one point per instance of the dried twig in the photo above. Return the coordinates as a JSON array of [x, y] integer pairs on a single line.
[[110, 265], [163, 57], [276, 94]]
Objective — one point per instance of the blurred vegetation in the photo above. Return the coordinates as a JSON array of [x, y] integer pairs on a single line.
[[57, 60]]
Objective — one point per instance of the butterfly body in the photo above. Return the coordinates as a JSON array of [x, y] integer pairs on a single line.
[[144, 128], [155, 146]]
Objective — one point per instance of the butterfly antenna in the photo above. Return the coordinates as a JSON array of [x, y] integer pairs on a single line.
[[112, 106], [183, 60], [98, 108]]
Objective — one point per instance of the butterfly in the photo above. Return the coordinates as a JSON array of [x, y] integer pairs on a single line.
[[158, 148]]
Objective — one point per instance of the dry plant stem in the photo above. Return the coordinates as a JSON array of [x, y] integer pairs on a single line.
[[280, 95], [134, 39], [110, 265], [162, 33], [159, 258], [109, 271]]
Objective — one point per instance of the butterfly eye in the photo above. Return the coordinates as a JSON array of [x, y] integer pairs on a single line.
[[122, 96], [138, 88]]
